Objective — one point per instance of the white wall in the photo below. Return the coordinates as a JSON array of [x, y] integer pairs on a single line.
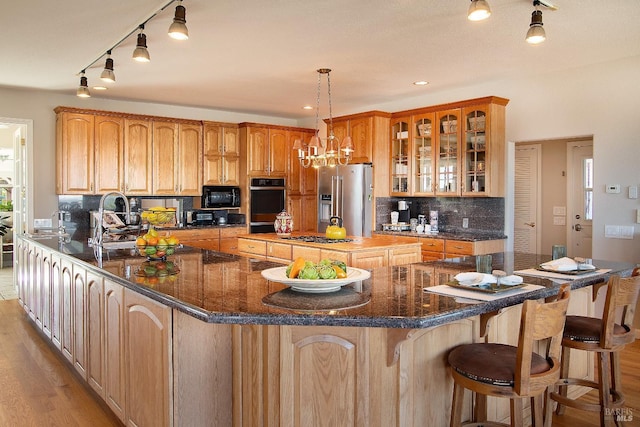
[[601, 100]]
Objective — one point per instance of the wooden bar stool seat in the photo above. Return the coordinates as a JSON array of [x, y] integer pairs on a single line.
[[606, 337], [500, 370]]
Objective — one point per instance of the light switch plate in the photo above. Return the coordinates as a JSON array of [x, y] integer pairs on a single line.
[[559, 220], [633, 191], [42, 223], [638, 216]]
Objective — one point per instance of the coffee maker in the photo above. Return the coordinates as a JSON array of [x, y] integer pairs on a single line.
[[403, 211]]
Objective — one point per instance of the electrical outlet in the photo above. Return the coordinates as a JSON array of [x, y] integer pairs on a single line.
[[465, 222]]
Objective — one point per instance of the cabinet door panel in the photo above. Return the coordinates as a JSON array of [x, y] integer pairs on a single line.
[[278, 152], [114, 366], [77, 161], [66, 310], [79, 313], [147, 331], [231, 170], [95, 338], [258, 142], [190, 160], [138, 151], [109, 157], [165, 158], [361, 131]]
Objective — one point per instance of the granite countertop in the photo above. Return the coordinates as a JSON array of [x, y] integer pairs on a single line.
[[221, 288], [468, 237]]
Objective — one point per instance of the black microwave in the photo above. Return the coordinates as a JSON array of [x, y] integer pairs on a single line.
[[220, 197]]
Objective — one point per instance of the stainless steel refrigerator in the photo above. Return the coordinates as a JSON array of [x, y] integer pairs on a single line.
[[347, 192]]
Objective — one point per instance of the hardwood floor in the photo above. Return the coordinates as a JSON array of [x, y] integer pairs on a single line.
[[36, 387], [630, 366]]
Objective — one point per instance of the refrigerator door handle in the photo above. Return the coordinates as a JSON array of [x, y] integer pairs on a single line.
[[333, 195], [340, 195]]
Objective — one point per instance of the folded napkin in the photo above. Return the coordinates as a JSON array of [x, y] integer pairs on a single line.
[[475, 279], [565, 264]]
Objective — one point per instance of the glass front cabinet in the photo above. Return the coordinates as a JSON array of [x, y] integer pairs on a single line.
[[400, 157], [449, 151]]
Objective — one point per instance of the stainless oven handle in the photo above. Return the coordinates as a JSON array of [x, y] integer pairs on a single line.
[[266, 188]]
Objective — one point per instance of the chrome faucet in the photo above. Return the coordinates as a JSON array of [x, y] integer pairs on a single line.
[[97, 232]]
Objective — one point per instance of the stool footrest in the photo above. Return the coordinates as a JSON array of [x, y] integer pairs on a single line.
[[616, 401]]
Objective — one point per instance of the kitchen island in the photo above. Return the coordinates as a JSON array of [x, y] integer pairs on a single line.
[[217, 344]]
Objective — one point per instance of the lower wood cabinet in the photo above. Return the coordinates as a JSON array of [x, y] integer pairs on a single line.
[[366, 259]]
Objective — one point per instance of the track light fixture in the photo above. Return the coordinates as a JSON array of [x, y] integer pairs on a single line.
[[83, 89], [140, 53], [536, 34], [478, 10], [178, 29], [107, 74]]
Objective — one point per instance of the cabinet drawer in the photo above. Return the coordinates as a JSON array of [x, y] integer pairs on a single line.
[[336, 255], [403, 256], [252, 247], [458, 247], [232, 232], [432, 245], [310, 254], [432, 256], [279, 250], [190, 235], [229, 246], [370, 259]]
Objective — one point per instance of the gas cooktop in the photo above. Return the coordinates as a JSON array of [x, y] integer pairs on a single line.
[[316, 239]]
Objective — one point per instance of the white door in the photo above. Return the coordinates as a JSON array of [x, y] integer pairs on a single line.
[[580, 194], [527, 232]]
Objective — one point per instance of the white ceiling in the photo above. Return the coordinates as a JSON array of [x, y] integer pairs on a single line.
[[260, 56]]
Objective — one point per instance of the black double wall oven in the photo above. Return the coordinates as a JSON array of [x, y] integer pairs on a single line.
[[268, 197]]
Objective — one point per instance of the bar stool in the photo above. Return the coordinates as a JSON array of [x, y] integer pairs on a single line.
[[500, 370], [606, 338]]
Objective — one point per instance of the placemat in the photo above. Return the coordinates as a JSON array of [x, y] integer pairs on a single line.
[[559, 277], [479, 296]]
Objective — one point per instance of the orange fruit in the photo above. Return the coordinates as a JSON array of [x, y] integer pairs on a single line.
[[298, 265], [141, 242], [152, 241]]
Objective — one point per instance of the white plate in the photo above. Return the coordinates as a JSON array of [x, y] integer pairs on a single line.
[[278, 274]]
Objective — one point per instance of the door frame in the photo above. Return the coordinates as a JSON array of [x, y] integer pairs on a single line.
[[23, 224], [576, 142]]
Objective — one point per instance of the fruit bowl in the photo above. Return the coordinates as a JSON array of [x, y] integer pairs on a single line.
[[154, 272], [155, 246], [159, 216]]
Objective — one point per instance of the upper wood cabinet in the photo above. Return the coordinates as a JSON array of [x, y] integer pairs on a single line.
[[267, 149], [100, 151], [221, 164], [138, 156], [367, 131], [177, 153], [450, 150], [75, 153], [109, 154]]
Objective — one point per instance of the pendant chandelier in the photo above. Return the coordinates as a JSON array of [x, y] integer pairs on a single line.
[[329, 151]]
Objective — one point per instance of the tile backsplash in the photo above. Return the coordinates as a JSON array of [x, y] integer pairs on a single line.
[[485, 214]]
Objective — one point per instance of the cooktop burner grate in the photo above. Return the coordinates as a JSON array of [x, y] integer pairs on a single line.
[[317, 239]]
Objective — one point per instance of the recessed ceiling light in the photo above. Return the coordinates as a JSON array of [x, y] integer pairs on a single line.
[[307, 107], [4, 126], [99, 88], [421, 83]]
